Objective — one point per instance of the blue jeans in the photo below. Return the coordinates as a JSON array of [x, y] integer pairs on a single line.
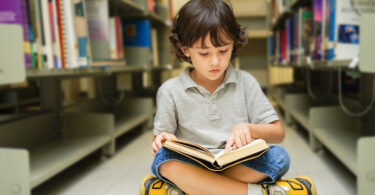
[[274, 163]]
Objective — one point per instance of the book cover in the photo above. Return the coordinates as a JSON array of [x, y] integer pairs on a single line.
[[15, 12], [346, 32], [221, 160]]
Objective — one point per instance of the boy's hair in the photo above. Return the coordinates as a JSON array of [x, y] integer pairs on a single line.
[[198, 18]]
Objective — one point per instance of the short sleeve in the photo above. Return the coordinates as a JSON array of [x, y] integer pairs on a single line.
[[165, 118], [260, 110]]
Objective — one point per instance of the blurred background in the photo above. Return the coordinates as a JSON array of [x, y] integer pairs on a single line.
[[78, 80]]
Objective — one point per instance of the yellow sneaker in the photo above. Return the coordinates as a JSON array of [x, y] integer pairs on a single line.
[[154, 186], [301, 185]]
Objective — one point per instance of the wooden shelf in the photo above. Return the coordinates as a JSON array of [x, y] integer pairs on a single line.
[[48, 159]]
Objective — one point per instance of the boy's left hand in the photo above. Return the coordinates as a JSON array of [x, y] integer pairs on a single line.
[[239, 136]]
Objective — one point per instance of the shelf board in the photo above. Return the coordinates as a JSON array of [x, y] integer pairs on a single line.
[[298, 3], [158, 21], [89, 71], [342, 143], [64, 73], [258, 34], [51, 158], [128, 7], [126, 123], [21, 103], [301, 116]]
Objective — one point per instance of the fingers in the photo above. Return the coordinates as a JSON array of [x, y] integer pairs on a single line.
[[230, 142], [158, 141]]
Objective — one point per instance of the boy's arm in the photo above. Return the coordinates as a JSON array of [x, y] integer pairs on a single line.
[[272, 132]]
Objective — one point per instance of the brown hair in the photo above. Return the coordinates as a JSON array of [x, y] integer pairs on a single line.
[[198, 18]]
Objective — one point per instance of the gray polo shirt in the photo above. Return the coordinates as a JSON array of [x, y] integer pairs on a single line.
[[192, 113]]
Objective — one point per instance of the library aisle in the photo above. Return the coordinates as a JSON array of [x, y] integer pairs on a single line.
[[123, 173]]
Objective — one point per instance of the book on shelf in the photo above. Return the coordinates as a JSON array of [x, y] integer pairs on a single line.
[[115, 38], [318, 29], [154, 43], [81, 32], [15, 12], [98, 22], [137, 41], [344, 31], [221, 160], [306, 34]]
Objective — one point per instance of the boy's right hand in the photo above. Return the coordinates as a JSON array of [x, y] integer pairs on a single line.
[[159, 139]]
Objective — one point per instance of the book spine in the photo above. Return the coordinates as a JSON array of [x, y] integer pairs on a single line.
[[112, 39], [80, 25], [39, 35], [119, 47], [32, 32], [332, 24], [317, 30], [47, 48], [60, 32]]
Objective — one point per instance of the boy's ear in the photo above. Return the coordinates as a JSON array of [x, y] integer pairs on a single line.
[[185, 51]]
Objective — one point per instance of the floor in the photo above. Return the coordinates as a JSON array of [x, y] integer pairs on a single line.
[[123, 172]]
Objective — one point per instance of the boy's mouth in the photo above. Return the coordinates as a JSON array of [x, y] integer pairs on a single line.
[[214, 71]]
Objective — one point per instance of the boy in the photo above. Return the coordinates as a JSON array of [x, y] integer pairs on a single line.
[[217, 107]]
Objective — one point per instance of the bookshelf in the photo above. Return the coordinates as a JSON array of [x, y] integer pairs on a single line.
[[348, 136], [40, 145]]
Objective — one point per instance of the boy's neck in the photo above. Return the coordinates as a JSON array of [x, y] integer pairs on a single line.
[[210, 85]]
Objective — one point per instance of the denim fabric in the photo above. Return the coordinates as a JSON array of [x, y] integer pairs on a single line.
[[274, 163]]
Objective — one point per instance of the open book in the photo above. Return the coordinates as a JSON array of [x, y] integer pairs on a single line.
[[223, 159]]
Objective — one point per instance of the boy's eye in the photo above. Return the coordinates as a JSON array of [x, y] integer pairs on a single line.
[[225, 51], [203, 54]]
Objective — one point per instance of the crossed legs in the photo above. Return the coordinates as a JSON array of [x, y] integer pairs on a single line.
[[195, 180]]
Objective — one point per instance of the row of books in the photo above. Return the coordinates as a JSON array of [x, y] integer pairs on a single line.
[[324, 30], [75, 33]]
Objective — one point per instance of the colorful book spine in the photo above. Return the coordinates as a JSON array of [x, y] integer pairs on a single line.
[[307, 33], [331, 36], [80, 22], [317, 25], [137, 33], [327, 11]]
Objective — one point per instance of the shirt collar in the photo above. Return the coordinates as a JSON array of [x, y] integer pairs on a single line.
[[187, 81]]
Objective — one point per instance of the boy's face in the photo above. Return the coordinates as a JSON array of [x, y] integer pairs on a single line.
[[210, 61]]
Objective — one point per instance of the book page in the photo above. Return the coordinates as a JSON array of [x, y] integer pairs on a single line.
[[247, 150]]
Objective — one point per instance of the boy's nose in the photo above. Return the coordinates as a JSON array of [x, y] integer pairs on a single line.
[[214, 60]]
